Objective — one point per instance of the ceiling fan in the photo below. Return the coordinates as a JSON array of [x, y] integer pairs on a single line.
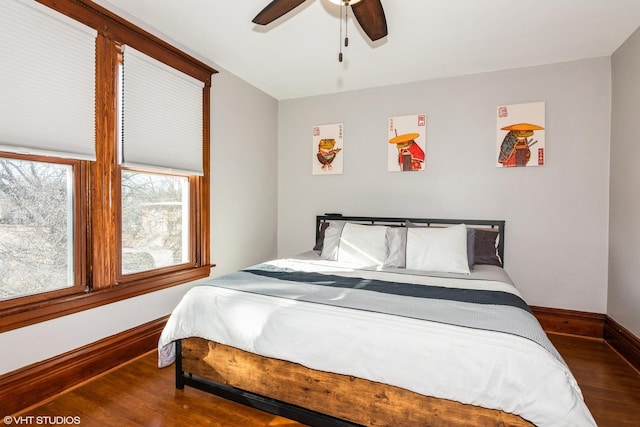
[[368, 13]]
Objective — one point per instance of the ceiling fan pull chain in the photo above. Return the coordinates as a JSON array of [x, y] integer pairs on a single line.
[[346, 25], [340, 40]]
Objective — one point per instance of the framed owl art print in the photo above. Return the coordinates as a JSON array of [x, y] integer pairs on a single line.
[[327, 145]]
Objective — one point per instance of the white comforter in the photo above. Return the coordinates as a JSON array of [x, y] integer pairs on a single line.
[[474, 366]]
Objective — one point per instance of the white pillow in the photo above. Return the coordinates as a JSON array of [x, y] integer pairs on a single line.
[[332, 240], [438, 249], [364, 245]]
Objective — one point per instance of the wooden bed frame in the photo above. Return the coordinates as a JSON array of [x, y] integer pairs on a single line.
[[320, 398]]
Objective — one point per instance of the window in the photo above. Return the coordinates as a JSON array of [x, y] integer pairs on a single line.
[[93, 208], [155, 221], [36, 227], [160, 147]]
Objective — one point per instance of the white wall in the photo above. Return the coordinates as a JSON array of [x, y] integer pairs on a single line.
[[557, 215], [244, 170], [34, 343], [243, 225], [624, 224]]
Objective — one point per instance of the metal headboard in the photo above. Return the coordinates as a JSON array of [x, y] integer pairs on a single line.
[[374, 220]]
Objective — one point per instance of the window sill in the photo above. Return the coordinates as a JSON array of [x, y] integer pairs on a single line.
[[29, 314]]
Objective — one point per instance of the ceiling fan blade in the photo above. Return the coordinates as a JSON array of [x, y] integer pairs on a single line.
[[275, 10], [370, 16]]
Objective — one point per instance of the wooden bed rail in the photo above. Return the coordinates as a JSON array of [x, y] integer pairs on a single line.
[[320, 398]]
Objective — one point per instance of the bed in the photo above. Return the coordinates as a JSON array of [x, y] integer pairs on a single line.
[[386, 322]]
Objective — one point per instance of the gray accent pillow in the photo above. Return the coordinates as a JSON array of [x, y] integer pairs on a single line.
[[320, 243], [396, 247], [486, 250]]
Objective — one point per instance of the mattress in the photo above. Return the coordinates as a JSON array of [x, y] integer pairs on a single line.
[[464, 337]]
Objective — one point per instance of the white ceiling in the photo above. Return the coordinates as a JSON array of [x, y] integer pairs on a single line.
[[297, 55]]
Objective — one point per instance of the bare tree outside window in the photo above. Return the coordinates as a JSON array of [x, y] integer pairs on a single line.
[[155, 221], [36, 227]]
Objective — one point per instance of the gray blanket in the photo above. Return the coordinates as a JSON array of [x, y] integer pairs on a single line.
[[490, 310]]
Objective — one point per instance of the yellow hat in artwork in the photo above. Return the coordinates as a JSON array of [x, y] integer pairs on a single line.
[[404, 140], [523, 130]]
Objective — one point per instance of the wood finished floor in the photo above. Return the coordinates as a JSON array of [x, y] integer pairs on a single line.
[[140, 394]]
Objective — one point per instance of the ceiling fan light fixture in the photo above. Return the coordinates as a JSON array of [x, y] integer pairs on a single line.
[[368, 13]]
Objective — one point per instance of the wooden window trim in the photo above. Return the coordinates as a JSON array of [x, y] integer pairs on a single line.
[[98, 270], [117, 28], [28, 314]]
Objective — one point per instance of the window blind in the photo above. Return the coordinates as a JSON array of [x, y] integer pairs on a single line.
[[47, 89], [162, 123]]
